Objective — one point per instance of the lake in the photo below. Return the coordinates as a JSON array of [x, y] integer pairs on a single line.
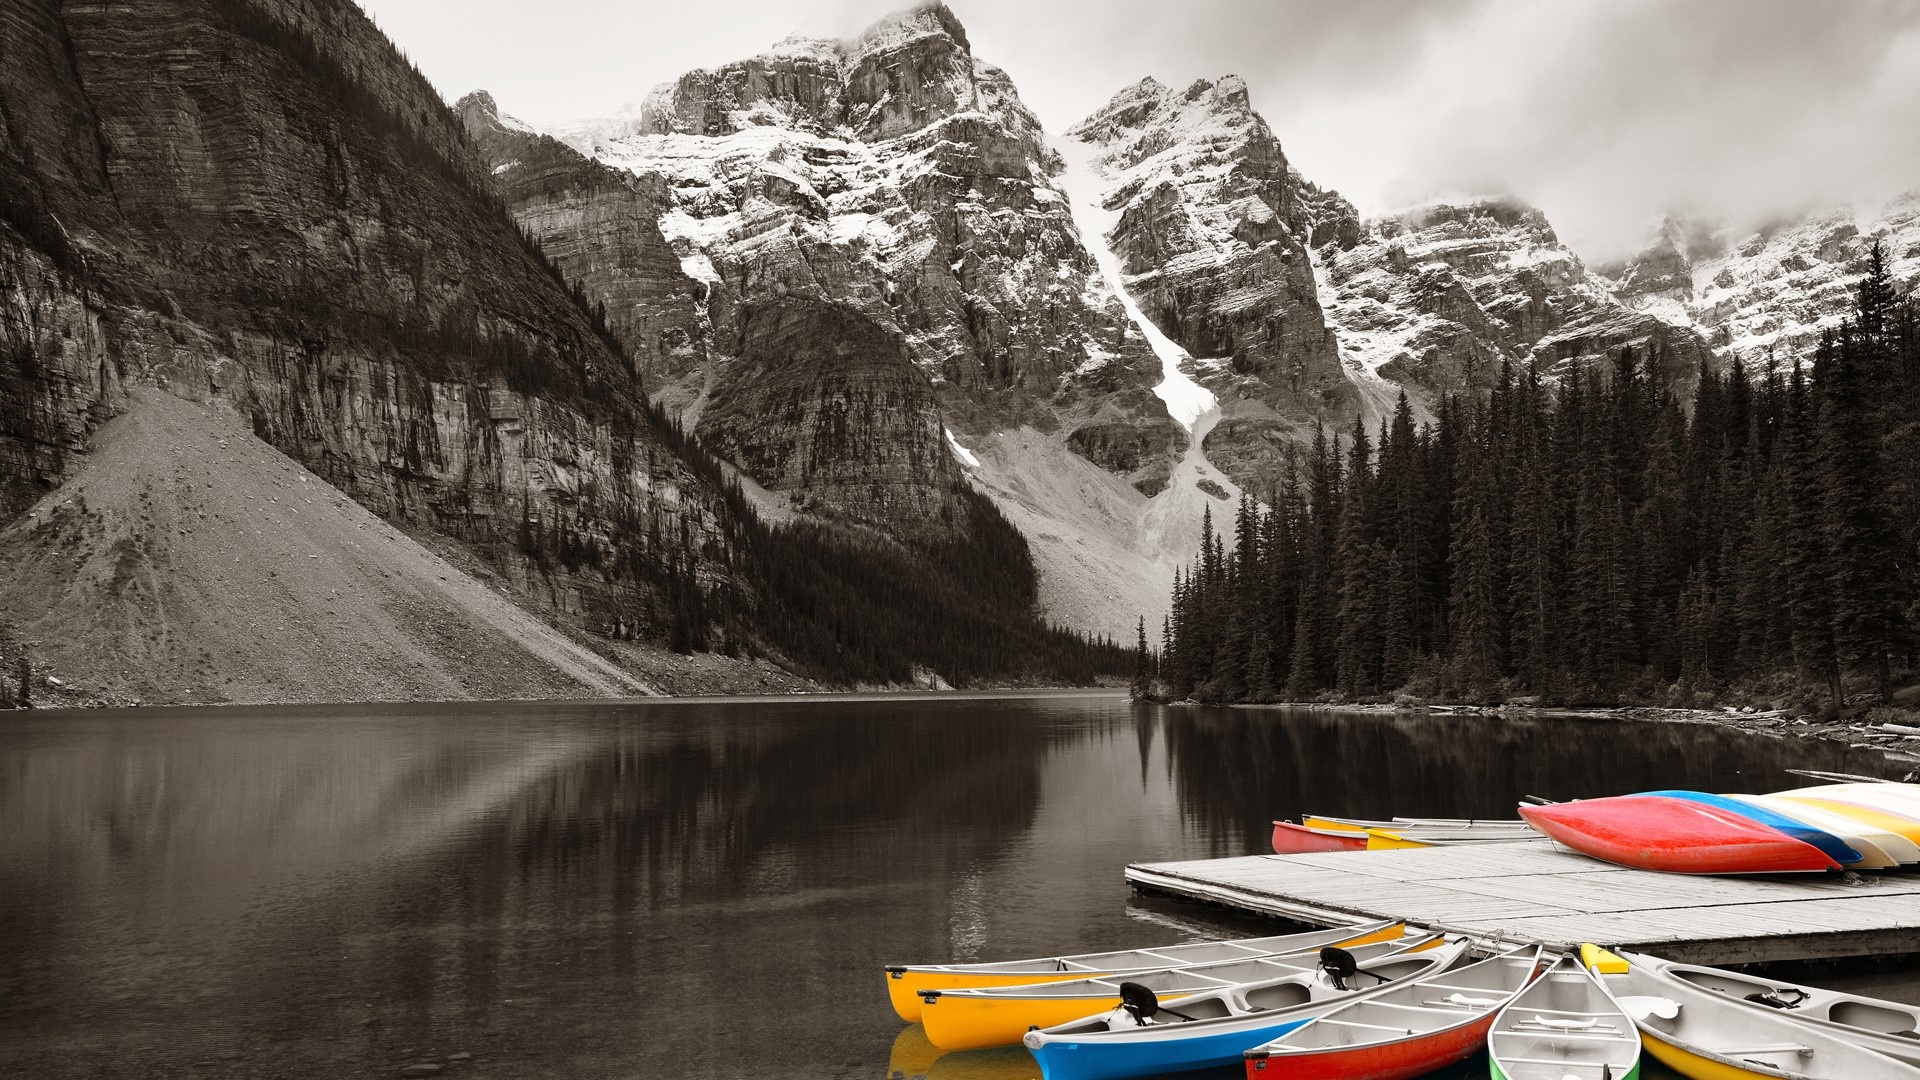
[[673, 889]]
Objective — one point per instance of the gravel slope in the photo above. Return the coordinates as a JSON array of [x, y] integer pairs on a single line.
[[188, 560]]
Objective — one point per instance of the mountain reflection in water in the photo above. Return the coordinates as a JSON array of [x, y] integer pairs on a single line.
[[666, 889]]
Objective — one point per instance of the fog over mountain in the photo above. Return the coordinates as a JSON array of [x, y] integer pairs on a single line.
[[1604, 114]]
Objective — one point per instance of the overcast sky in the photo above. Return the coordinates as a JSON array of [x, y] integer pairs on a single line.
[[1602, 112]]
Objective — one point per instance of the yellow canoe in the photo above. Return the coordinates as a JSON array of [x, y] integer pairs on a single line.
[[907, 982], [969, 1019]]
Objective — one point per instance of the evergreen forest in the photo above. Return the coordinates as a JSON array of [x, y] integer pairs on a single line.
[[1600, 538]]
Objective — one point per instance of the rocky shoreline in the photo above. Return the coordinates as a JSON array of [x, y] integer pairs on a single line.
[[1898, 742]]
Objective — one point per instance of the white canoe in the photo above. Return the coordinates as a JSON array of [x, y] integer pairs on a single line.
[[1888, 1027], [1564, 1026], [1704, 1035]]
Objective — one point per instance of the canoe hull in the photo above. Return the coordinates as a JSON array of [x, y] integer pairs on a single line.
[[1865, 1021], [1693, 1066], [1832, 846], [1400, 1060], [1092, 1060], [970, 1023], [906, 984], [1291, 839], [1653, 832], [903, 990]]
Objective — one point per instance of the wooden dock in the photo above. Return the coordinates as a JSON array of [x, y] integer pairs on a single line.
[[1536, 892]]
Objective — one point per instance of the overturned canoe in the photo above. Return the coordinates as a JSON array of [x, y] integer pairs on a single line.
[[1214, 1027], [906, 982], [1407, 1031], [1682, 836], [1291, 839], [1317, 833], [1705, 1035], [1565, 1026], [1832, 846], [966, 1019], [1879, 847], [1396, 839]]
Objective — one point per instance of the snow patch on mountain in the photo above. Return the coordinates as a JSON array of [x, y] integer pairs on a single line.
[[1187, 401], [961, 453]]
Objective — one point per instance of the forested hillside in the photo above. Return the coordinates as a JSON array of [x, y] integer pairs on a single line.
[[1600, 540]]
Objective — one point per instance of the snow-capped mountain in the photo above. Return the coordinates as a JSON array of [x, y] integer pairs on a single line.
[[877, 248], [1767, 296], [864, 272], [1434, 298]]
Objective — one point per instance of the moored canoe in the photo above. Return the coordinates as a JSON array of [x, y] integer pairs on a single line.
[[1396, 839], [1404, 1032], [1703, 1035], [1291, 839], [1681, 836], [1907, 826], [1887, 1027], [1361, 825], [966, 1019], [1832, 846], [906, 982], [1879, 848], [1215, 1027], [1564, 1026]]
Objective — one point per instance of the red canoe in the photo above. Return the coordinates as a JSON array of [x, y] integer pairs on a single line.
[[1291, 839], [1657, 832], [1407, 1031]]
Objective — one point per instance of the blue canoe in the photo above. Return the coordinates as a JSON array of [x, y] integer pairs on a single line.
[[1217, 1027], [1834, 847]]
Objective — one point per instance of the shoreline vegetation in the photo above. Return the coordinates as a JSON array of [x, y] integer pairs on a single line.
[[1898, 743], [1607, 538]]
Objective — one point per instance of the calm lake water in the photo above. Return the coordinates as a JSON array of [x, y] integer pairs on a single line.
[[684, 889]]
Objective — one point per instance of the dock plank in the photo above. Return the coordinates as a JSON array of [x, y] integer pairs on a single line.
[[1534, 891]]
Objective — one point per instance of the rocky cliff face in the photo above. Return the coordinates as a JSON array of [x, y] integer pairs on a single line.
[[1767, 296], [1213, 234], [601, 226], [892, 188], [1434, 299], [260, 204], [875, 232]]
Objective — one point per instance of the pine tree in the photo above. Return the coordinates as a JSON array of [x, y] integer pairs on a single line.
[[1864, 576], [1477, 621], [1142, 687], [1806, 562]]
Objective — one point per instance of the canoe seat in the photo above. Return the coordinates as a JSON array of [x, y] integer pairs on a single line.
[[1423, 1007], [1612, 1034], [1563, 1062], [1765, 1048], [1460, 1001]]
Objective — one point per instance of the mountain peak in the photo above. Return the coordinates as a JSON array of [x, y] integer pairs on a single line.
[[479, 102], [481, 114], [900, 27], [906, 71], [1150, 103]]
